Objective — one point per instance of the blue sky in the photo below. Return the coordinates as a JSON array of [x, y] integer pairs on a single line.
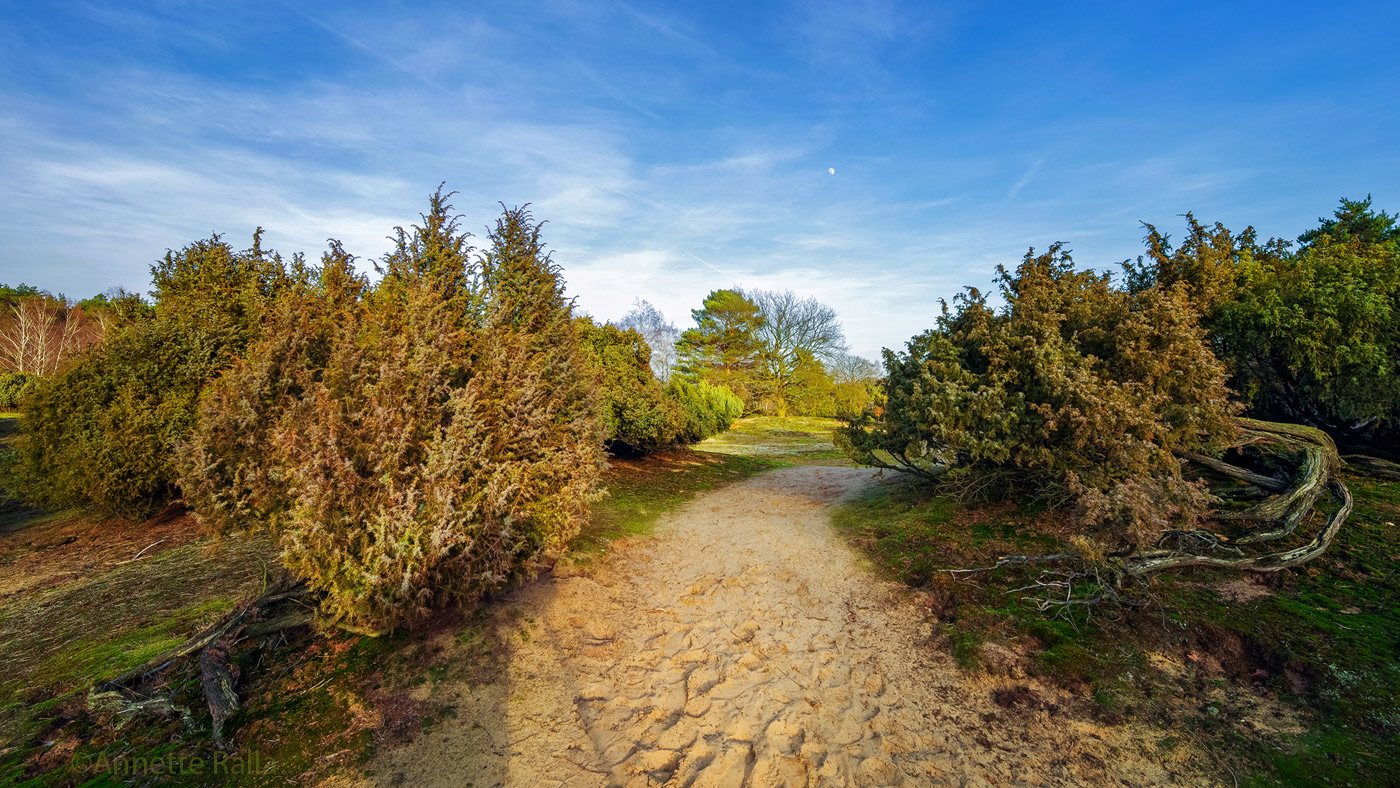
[[679, 148]]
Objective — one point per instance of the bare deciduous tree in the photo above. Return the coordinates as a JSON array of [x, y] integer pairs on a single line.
[[850, 368], [660, 335], [794, 330], [39, 332]]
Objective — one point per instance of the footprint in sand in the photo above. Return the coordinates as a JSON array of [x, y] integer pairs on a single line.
[[744, 645]]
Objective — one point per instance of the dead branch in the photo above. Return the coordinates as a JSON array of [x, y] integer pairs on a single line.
[[218, 677], [1268, 562], [1235, 471], [1279, 516], [1016, 560], [128, 694], [1373, 466]]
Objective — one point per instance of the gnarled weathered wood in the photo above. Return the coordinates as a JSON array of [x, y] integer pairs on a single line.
[[1279, 516], [1373, 466], [218, 677], [1235, 471]]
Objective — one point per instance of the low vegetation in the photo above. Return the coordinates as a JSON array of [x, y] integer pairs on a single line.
[[1288, 679], [1310, 335], [412, 444], [1081, 464], [315, 703], [639, 414], [102, 431], [1064, 449], [799, 440], [15, 388]]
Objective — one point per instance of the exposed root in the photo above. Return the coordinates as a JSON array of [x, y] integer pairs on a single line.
[[1277, 517], [1235, 471], [1147, 563], [1373, 466]]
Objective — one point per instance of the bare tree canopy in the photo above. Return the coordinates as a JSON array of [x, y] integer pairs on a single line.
[[660, 334], [850, 368], [794, 330], [38, 332]]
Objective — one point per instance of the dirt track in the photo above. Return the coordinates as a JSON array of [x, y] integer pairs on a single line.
[[745, 645]]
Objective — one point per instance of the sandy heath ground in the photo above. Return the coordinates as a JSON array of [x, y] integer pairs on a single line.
[[746, 645]]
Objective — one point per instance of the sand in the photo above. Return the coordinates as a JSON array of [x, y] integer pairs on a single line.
[[746, 645]]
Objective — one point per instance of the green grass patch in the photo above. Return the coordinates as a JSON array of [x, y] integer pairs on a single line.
[[1323, 639], [87, 662], [914, 535], [800, 440], [640, 491]]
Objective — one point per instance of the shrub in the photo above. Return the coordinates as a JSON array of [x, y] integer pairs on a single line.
[[15, 387], [425, 440], [102, 432], [853, 398], [705, 409], [1315, 338], [1311, 336], [229, 469], [637, 416], [1075, 391]]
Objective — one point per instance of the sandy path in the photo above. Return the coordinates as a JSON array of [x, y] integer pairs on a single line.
[[745, 645]]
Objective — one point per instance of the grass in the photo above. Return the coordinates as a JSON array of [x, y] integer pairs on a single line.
[[315, 704], [1321, 641], [56, 642], [640, 491], [799, 440]]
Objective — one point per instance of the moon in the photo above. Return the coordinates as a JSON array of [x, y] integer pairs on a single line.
[[831, 170]]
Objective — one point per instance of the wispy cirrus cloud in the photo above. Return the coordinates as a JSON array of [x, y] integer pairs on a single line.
[[672, 150]]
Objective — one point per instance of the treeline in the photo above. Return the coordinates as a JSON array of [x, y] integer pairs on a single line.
[[749, 352], [1092, 390], [411, 441], [781, 353], [40, 332]]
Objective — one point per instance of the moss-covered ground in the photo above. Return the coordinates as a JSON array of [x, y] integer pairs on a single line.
[[1290, 679]]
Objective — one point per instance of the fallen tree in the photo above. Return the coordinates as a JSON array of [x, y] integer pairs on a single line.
[[1373, 466]]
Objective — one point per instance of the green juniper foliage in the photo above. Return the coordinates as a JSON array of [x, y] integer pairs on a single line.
[[414, 443], [15, 388], [1076, 390], [639, 414], [1311, 335], [705, 409], [102, 431]]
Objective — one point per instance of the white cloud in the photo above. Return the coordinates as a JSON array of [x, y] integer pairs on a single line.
[[651, 150]]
